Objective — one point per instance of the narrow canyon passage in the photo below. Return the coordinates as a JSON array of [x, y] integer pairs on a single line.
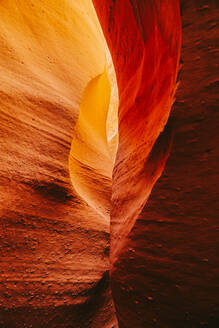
[[92, 153], [86, 126]]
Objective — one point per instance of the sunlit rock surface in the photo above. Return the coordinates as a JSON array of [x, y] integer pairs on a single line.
[[57, 160], [54, 247]]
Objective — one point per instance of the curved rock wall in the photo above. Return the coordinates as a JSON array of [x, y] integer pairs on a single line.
[[54, 247], [58, 98], [144, 38]]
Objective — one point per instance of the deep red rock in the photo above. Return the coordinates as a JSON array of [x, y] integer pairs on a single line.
[[166, 275], [54, 248]]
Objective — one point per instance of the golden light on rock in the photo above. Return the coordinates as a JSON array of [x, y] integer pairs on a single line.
[[86, 95]]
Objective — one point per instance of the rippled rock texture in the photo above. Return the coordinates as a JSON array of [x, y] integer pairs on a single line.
[[54, 247], [79, 246]]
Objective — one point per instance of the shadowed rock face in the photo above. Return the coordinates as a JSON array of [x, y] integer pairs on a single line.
[[54, 246], [167, 273]]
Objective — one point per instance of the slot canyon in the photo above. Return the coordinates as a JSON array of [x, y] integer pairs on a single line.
[[109, 164]]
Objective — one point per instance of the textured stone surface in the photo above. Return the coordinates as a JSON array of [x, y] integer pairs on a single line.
[[168, 274], [54, 248]]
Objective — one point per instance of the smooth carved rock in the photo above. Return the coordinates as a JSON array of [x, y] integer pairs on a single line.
[[79, 159]]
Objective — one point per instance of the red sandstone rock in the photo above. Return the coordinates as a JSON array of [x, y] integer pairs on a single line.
[[167, 273], [54, 247]]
